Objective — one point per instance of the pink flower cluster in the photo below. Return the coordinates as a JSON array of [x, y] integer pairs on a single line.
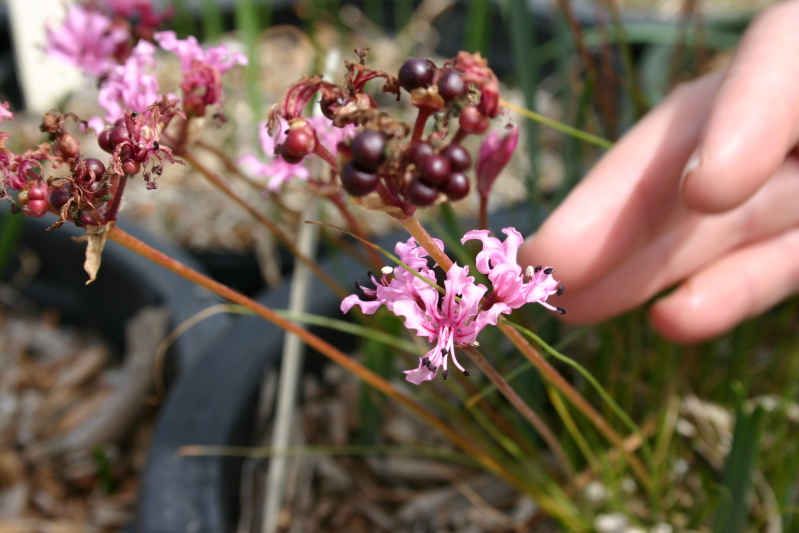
[[455, 318], [102, 47]]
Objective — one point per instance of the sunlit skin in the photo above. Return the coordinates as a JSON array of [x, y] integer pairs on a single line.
[[718, 223]]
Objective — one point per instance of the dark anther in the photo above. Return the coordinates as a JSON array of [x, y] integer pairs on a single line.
[[561, 310], [465, 372], [549, 270], [538, 268], [561, 290], [445, 352], [156, 145], [445, 374], [134, 114], [432, 368], [426, 361]]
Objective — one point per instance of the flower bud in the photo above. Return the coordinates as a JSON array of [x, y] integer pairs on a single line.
[[495, 153]]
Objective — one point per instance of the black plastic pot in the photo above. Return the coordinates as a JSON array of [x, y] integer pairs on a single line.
[[126, 283], [214, 404]]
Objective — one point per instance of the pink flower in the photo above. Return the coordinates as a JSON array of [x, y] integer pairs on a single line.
[[447, 321], [279, 171], [202, 85], [450, 321], [5, 114], [87, 39], [132, 85], [511, 288], [494, 155]]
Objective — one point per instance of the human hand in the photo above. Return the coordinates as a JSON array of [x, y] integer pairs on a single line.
[[701, 194]]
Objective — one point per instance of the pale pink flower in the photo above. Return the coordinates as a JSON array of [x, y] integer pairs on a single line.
[[451, 320], [202, 67], [5, 114], [189, 51], [86, 39], [512, 287], [132, 85], [495, 153]]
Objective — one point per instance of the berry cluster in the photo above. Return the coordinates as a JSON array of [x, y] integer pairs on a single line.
[[401, 163], [33, 200], [444, 171]]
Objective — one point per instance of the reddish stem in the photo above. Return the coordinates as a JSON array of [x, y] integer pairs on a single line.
[[112, 208], [326, 155], [460, 136], [564, 387], [424, 239], [483, 215], [421, 120]]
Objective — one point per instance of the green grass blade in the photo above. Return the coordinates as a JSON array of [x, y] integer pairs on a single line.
[[741, 462], [211, 14]]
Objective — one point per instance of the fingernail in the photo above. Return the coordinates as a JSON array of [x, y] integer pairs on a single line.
[[691, 165]]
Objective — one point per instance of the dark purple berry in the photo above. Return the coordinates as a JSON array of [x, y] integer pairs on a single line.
[[435, 169], [84, 169], [451, 85], [367, 150], [473, 121], [416, 72], [458, 156], [357, 182], [94, 165], [456, 187], [104, 140], [60, 196], [421, 194], [421, 150], [118, 135]]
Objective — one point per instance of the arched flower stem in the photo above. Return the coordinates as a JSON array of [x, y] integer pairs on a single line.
[[334, 354]]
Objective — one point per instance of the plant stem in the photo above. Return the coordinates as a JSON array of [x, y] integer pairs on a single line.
[[424, 239], [112, 208], [326, 156], [460, 136], [564, 387], [524, 409], [483, 215], [334, 354], [268, 224], [418, 126]]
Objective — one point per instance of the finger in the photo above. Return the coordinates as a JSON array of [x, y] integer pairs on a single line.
[[623, 200], [687, 244], [754, 121], [738, 286]]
